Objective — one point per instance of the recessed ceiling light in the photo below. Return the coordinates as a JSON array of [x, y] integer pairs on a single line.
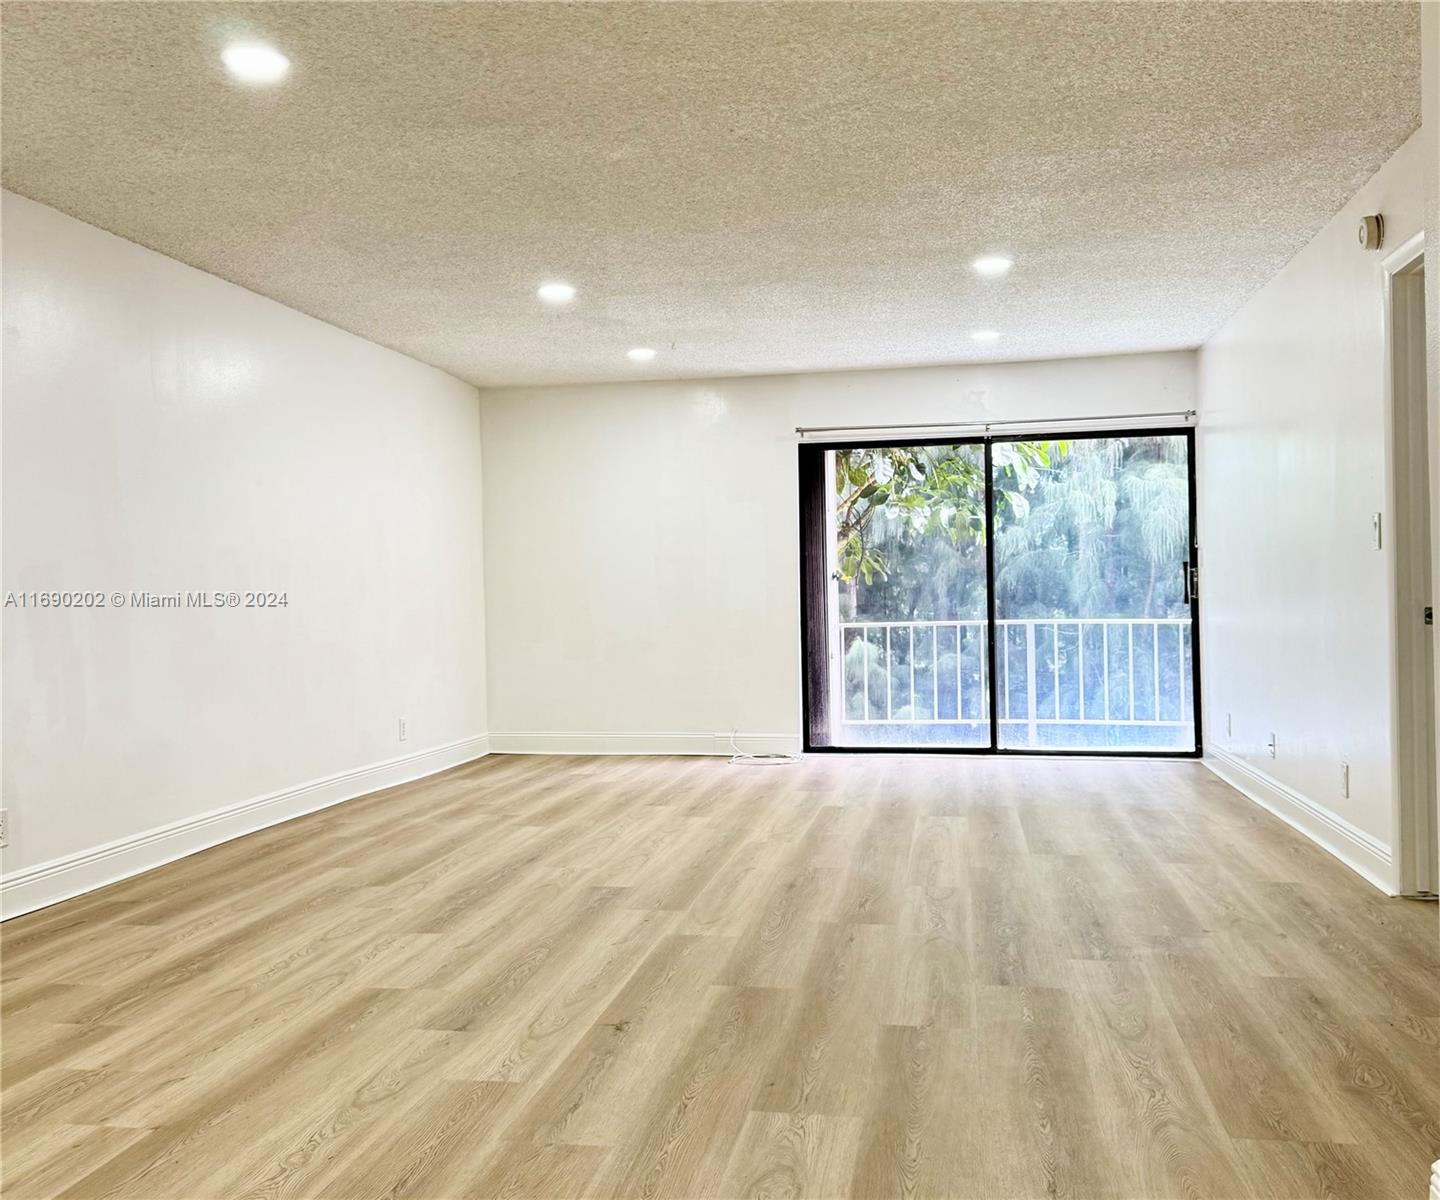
[[984, 335], [556, 293], [255, 62], [641, 354], [992, 265]]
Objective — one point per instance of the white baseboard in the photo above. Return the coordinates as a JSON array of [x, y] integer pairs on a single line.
[[643, 743], [1363, 853], [61, 878]]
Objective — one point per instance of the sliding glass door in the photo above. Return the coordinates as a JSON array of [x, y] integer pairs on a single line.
[[909, 596], [1093, 611], [1057, 567]]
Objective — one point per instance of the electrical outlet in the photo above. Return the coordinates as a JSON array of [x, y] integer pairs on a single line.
[[403, 732], [4, 828], [1271, 746], [1345, 779]]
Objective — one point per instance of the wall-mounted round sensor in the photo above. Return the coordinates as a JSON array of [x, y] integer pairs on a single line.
[[1371, 232]]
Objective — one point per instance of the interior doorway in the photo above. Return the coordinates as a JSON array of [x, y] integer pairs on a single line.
[[1031, 594], [1411, 559]]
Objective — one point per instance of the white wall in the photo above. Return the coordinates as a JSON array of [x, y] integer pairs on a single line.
[[167, 431], [641, 540], [1293, 463]]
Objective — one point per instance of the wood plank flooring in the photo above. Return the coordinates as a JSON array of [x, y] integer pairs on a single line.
[[619, 977]]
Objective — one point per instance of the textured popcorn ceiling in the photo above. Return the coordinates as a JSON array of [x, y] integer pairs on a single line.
[[746, 187]]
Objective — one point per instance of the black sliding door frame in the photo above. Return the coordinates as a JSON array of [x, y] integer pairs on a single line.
[[814, 584]]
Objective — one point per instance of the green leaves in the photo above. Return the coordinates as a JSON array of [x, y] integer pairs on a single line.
[[1088, 526], [924, 491], [1160, 495], [1018, 505], [856, 558]]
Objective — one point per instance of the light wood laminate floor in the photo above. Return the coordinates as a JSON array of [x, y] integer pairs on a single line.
[[621, 977]]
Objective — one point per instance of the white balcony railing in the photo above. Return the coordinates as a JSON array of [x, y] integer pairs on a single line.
[[1077, 672]]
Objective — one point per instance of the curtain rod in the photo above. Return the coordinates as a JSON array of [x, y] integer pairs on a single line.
[[1056, 423]]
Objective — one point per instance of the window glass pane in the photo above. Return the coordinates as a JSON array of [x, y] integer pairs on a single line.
[[1092, 537], [908, 597]]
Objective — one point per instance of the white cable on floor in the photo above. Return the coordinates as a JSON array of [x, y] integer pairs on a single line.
[[741, 759]]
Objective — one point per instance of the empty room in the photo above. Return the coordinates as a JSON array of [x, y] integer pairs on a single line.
[[707, 600]]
